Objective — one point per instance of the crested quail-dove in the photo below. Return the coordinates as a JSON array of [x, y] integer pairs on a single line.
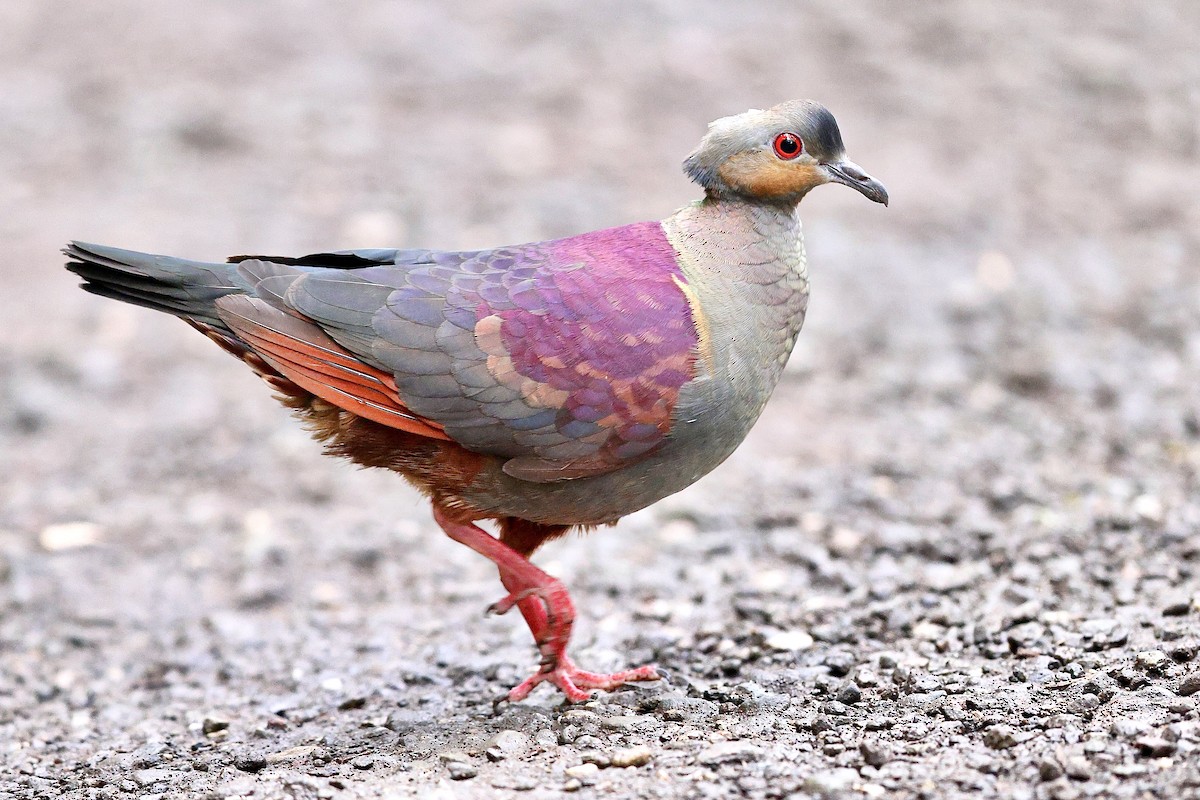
[[547, 385]]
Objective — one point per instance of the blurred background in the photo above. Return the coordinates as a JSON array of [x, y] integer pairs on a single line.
[[1004, 360]]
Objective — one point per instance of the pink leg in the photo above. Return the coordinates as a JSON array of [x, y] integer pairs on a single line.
[[547, 608]]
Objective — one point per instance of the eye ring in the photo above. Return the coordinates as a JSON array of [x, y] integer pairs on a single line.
[[788, 146]]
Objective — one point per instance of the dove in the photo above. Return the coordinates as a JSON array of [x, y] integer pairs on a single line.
[[544, 387]]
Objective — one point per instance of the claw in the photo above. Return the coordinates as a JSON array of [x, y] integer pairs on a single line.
[[498, 702], [500, 607], [509, 601]]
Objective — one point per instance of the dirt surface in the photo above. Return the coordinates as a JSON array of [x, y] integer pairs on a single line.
[[957, 557]]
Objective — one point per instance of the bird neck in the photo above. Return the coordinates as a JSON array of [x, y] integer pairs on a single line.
[[744, 262], [742, 241]]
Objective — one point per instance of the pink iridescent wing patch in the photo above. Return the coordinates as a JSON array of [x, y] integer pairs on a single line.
[[601, 335]]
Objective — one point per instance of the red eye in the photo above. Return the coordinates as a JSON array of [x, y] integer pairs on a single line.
[[788, 146]]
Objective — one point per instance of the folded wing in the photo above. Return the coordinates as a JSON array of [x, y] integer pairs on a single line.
[[564, 357]]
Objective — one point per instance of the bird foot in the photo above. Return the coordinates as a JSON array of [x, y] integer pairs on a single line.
[[578, 684], [548, 610]]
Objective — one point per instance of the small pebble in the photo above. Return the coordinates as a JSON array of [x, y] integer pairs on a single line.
[[69, 535], [832, 783], [728, 753], [508, 744], [1102, 634], [148, 777], [1125, 728], [1049, 769], [849, 694], [817, 724], [250, 763], [919, 682], [212, 725], [292, 753], [1189, 685], [1155, 747], [840, 662], [789, 641], [1151, 660], [363, 762], [460, 771], [1184, 651], [1078, 768], [1177, 607], [1183, 705], [835, 708], [519, 783], [582, 771], [1148, 507], [865, 677], [624, 722], [1000, 737], [874, 753], [844, 542], [632, 756]]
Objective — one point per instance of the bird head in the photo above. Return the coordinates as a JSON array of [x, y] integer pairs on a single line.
[[777, 156]]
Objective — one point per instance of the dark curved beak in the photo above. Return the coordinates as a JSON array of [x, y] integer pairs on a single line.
[[852, 175]]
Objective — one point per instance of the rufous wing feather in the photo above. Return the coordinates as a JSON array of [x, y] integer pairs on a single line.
[[305, 355]]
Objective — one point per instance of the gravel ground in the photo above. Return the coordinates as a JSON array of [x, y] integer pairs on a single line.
[[958, 556]]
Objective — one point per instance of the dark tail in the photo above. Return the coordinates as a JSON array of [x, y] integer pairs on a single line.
[[186, 289]]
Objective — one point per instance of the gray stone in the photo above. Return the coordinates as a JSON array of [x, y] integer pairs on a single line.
[[849, 694], [831, 783], [1049, 769], [1000, 737], [1182, 705], [728, 753], [1126, 728], [252, 762], [508, 744], [874, 752], [1078, 768], [1155, 747], [149, 777]]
